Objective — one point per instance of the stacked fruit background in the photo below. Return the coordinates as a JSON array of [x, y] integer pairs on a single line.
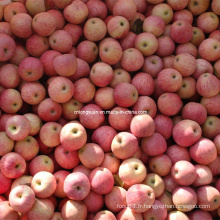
[[109, 110]]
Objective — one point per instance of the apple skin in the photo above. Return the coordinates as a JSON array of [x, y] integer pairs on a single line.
[[97, 9], [214, 166], [124, 145], [140, 194], [35, 123], [211, 104], [76, 186], [7, 212], [166, 198], [65, 158], [128, 213], [162, 51], [46, 208], [91, 155], [209, 196], [154, 145], [132, 171], [188, 47], [22, 198], [128, 41], [6, 143], [116, 197], [73, 136], [217, 143], [187, 132], [155, 182], [203, 151], [177, 215], [12, 165], [104, 214], [43, 184], [101, 180], [182, 176], [211, 127], [169, 183], [96, 206], [142, 126], [6, 183], [177, 153], [199, 214]]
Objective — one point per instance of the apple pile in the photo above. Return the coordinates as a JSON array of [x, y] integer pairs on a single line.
[[109, 109]]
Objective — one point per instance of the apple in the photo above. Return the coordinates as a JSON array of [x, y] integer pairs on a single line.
[[104, 214], [199, 214], [132, 171], [169, 183], [7, 212], [188, 47], [217, 143], [6, 143], [6, 183], [177, 215], [211, 104], [23, 180], [126, 213], [214, 166], [97, 9], [182, 176], [211, 127], [166, 199]]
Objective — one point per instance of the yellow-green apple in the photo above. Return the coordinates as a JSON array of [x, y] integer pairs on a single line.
[[65, 158], [101, 180], [73, 136], [158, 212], [101, 74], [169, 103], [94, 29], [7, 212], [46, 20], [120, 76], [49, 111], [132, 171], [204, 175], [199, 214], [33, 93], [120, 118], [17, 127], [155, 182], [203, 151], [188, 88], [163, 125], [162, 50], [177, 215], [132, 60], [155, 164], [208, 85], [9, 77], [60, 177], [208, 198], [140, 197], [37, 45], [211, 127], [76, 186], [7, 47], [169, 80], [194, 111], [187, 132], [43, 184], [145, 104], [210, 19], [84, 90], [116, 199], [6, 143], [35, 123], [110, 51], [97, 9], [12, 165], [91, 155], [211, 104], [47, 62], [144, 83], [177, 153], [169, 183], [76, 12], [87, 51], [61, 41], [198, 36], [124, 145], [152, 65], [28, 148], [41, 163], [164, 11], [30, 69], [153, 145], [127, 213], [209, 49], [91, 205], [184, 198], [181, 175], [22, 198], [104, 98], [43, 208], [50, 134]]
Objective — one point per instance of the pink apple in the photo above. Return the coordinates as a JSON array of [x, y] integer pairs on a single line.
[[169, 183], [104, 214], [211, 104], [188, 47], [120, 76], [6, 143], [7, 212], [6, 183], [199, 214], [126, 213], [177, 215], [211, 127]]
